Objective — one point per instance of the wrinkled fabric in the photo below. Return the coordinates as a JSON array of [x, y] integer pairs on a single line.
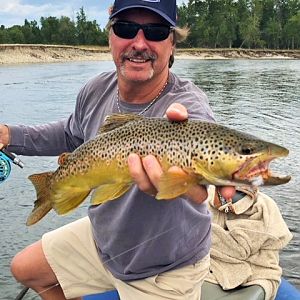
[[245, 245]]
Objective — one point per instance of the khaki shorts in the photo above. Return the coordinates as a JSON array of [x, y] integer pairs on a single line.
[[71, 253]]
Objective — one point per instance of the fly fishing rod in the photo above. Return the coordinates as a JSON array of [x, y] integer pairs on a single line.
[[22, 293], [6, 158]]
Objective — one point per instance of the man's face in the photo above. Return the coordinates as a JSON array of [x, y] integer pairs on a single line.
[[139, 59]]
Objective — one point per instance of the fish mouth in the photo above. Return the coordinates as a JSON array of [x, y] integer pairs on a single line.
[[256, 170]]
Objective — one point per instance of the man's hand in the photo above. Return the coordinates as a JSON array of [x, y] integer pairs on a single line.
[[4, 136], [146, 172]]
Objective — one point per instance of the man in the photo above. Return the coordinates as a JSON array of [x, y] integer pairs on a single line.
[[146, 249]]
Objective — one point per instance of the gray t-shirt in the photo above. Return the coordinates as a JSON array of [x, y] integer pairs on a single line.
[[136, 235]]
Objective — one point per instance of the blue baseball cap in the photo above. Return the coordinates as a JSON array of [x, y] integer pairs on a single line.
[[165, 8]]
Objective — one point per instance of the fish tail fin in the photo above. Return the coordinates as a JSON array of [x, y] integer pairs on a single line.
[[42, 205], [63, 205]]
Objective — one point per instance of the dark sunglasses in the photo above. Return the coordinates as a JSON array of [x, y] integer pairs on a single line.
[[152, 32]]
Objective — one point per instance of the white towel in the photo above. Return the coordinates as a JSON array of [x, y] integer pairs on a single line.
[[245, 245]]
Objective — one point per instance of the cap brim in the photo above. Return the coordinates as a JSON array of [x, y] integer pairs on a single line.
[[164, 16]]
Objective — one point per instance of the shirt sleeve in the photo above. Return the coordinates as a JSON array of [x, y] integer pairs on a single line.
[[49, 139]]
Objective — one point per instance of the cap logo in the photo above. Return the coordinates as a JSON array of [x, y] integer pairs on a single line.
[[156, 1]]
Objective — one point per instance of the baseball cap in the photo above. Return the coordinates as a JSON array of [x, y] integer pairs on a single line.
[[165, 8]]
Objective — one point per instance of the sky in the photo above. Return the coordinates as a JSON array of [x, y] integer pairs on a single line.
[[14, 12]]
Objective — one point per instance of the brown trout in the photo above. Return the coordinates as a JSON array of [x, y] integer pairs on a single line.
[[208, 153]]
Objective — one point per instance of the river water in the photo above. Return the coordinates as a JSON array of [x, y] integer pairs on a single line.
[[260, 97]]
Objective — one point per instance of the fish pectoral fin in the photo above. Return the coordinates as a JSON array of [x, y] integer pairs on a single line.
[[174, 183], [63, 158], [64, 203], [208, 177], [109, 192], [42, 205]]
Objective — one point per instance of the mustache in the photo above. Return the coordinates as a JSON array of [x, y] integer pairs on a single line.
[[135, 54]]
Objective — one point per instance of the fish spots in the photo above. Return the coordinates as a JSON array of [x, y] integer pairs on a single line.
[[174, 143]]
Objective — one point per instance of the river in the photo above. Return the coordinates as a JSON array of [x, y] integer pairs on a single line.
[[256, 96]]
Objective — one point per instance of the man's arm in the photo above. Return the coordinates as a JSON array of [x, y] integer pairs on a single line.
[[43, 140]]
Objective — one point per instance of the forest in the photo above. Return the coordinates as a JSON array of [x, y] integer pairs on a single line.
[[255, 24]]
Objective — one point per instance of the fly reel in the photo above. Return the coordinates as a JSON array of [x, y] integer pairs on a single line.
[[5, 167], [6, 158]]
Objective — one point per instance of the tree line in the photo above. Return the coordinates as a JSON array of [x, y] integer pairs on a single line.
[[59, 31], [273, 24]]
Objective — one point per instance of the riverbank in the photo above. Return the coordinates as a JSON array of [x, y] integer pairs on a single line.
[[18, 53]]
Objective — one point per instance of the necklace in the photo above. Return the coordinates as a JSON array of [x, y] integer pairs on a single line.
[[148, 106]]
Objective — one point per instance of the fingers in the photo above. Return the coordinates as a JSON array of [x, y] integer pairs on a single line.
[[197, 193], [4, 135], [177, 112], [1, 146], [145, 172], [226, 191], [153, 169]]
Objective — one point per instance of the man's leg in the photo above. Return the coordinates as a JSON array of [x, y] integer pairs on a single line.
[[68, 256], [31, 268]]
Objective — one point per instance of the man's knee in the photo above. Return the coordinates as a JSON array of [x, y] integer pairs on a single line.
[[26, 265], [18, 267]]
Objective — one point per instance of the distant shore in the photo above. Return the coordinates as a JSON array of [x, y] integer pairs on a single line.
[[19, 53]]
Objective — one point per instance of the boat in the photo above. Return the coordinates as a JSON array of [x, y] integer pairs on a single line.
[[210, 291]]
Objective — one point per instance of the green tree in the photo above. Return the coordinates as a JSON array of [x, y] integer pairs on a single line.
[[16, 35], [4, 36], [249, 25], [103, 37], [193, 16], [66, 32], [49, 30], [292, 32], [273, 33], [31, 32], [228, 24], [81, 27], [92, 33]]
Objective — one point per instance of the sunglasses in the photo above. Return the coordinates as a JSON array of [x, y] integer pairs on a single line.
[[152, 32]]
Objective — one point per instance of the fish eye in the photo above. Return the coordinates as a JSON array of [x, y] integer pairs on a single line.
[[247, 150]]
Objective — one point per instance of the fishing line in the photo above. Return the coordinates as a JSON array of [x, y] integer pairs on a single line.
[[105, 262], [148, 240], [46, 290], [120, 254], [124, 252], [140, 244], [25, 290]]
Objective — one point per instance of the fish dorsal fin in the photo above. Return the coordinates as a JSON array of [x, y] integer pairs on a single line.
[[63, 158], [117, 120]]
